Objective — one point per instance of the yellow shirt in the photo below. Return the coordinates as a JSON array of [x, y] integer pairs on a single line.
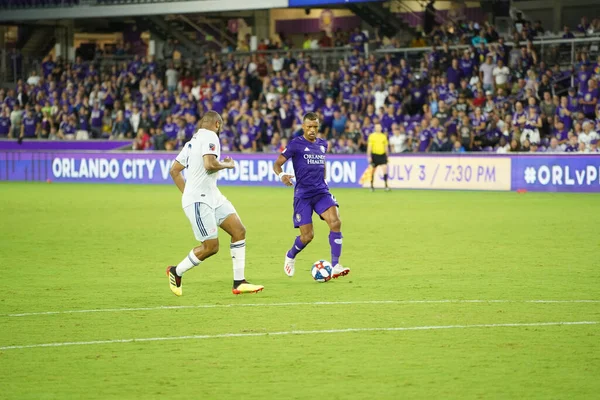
[[378, 143]]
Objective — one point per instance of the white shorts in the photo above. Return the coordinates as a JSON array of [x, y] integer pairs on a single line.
[[206, 220]]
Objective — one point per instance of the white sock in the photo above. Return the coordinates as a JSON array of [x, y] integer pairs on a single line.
[[189, 262], [238, 256]]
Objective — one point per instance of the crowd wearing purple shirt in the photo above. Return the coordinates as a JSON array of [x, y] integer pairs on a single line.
[[489, 97]]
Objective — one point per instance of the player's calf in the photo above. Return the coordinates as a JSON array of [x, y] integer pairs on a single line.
[[307, 237], [208, 248]]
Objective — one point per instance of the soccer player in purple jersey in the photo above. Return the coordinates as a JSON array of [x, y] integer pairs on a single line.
[[311, 193]]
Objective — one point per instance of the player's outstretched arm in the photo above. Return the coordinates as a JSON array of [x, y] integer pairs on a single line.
[[176, 175], [211, 164], [278, 169]]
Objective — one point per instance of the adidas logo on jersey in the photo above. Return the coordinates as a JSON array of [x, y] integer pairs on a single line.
[[306, 149]]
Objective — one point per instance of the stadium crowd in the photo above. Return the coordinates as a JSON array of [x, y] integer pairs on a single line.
[[489, 97]]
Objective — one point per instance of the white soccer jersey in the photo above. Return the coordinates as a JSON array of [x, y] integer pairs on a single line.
[[200, 185]]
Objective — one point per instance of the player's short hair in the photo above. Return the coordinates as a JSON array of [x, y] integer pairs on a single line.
[[311, 116], [209, 120]]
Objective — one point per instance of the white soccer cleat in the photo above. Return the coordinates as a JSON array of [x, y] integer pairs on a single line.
[[288, 266], [339, 270]]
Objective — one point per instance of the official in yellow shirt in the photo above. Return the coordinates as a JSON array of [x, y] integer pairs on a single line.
[[378, 149]]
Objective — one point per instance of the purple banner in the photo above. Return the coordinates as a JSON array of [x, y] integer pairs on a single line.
[[153, 168], [58, 145], [561, 173], [547, 173]]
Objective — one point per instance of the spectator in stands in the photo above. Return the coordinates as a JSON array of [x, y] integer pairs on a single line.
[[567, 34], [142, 140], [16, 117], [548, 110], [5, 127], [399, 141], [515, 146], [531, 131], [538, 29], [480, 39], [121, 128], [503, 146], [29, 126], [325, 41], [307, 42], [440, 143], [277, 63], [573, 145], [587, 135], [171, 75], [501, 74], [554, 146], [491, 36], [583, 25], [83, 124], [33, 79], [544, 86]]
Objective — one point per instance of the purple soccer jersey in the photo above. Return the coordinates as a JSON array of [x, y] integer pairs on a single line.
[[29, 124], [590, 95], [171, 130], [566, 119], [311, 193], [96, 118], [4, 125]]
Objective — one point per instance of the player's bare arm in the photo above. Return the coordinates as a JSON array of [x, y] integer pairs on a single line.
[[211, 164], [176, 175], [278, 169]]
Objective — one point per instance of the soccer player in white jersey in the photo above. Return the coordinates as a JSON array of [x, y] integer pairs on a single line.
[[205, 206]]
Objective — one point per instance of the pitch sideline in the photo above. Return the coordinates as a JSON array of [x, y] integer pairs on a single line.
[[285, 333], [294, 304]]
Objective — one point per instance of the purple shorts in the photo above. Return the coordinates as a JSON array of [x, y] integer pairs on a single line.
[[303, 208]]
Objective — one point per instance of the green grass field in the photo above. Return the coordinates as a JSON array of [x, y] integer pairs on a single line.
[[417, 259]]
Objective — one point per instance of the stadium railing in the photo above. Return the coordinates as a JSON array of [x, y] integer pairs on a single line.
[[566, 55], [327, 59]]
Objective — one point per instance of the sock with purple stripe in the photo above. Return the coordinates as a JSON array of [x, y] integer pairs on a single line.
[[335, 241], [296, 248], [187, 263]]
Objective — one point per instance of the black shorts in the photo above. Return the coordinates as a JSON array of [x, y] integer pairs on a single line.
[[378, 159]]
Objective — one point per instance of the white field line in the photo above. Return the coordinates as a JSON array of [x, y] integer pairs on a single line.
[[284, 333], [296, 304]]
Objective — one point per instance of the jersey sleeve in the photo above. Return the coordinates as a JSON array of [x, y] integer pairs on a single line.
[[210, 145], [288, 152], [184, 155]]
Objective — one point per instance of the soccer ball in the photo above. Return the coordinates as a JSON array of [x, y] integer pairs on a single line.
[[322, 271]]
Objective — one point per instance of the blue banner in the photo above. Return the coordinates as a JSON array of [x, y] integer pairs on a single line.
[[557, 173], [153, 168], [542, 173]]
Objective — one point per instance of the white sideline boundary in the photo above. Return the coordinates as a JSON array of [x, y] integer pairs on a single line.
[[285, 333], [295, 304]]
